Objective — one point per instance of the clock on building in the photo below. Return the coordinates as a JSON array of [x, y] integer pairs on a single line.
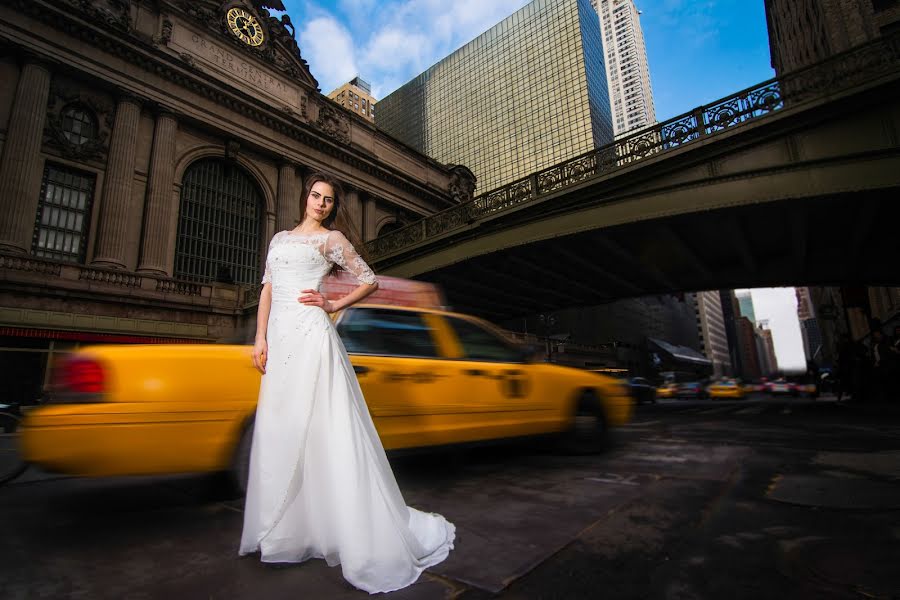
[[245, 26]]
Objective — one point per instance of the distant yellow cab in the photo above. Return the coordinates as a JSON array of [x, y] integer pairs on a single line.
[[430, 378], [727, 388], [667, 390]]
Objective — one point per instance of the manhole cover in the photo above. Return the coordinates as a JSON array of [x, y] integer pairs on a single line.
[[831, 492]]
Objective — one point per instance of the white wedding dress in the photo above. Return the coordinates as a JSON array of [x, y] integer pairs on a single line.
[[320, 485]]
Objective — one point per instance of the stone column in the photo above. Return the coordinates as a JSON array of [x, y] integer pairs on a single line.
[[112, 229], [21, 166], [287, 205], [369, 216], [158, 213], [354, 209]]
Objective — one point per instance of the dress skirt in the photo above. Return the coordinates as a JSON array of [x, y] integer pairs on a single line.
[[320, 485]]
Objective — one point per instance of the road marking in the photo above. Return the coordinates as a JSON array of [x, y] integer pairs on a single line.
[[657, 458], [720, 409], [615, 478], [643, 423]]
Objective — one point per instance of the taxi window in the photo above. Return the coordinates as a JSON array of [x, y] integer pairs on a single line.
[[480, 344], [386, 332]]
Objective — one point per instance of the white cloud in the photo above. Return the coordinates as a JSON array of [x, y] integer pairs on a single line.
[[328, 47], [388, 43]]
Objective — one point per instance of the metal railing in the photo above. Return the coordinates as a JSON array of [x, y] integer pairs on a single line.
[[842, 71]]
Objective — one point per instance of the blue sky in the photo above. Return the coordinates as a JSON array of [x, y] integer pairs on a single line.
[[698, 50]]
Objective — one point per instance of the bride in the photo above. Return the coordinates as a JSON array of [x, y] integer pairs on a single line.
[[319, 484]]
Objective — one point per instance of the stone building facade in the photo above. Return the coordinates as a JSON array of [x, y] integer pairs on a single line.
[[149, 149], [804, 32]]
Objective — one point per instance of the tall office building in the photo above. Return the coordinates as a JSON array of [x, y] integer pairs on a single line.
[[713, 336], [766, 348], [809, 325], [528, 93], [356, 95], [745, 303], [627, 69], [804, 32]]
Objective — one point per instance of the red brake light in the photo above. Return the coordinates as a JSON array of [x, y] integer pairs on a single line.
[[82, 376]]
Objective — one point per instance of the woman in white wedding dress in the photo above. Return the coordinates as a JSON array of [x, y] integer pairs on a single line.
[[319, 484]]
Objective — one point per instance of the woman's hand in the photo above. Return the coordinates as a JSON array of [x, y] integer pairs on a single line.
[[260, 355], [315, 298]]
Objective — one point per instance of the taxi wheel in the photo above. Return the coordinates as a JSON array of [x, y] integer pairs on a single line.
[[588, 433], [240, 465]]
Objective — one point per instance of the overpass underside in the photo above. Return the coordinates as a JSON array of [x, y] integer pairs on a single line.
[[807, 194], [842, 239]]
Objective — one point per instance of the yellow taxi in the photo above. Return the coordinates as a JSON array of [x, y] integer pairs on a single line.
[[430, 378], [667, 390], [726, 388]]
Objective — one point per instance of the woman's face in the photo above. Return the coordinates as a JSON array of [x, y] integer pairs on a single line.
[[320, 202]]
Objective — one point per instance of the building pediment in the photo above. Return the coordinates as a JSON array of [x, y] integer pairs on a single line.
[[239, 30]]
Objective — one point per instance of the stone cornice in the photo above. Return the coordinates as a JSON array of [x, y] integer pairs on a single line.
[[142, 53]]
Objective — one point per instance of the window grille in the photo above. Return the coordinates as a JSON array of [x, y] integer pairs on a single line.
[[219, 225], [63, 214]]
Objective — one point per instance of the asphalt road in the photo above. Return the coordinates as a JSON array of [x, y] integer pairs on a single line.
[[741, 499]]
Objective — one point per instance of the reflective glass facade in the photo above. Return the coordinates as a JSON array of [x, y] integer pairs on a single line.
[[528, 93]]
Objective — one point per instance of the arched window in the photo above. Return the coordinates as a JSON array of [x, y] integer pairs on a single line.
[[78, 124], [389, 227], [219, 224]]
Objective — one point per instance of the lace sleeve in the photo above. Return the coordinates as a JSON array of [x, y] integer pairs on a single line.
[[340, 251], [267, 276]]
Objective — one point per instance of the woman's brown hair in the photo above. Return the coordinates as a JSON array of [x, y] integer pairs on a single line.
[[339, 219]]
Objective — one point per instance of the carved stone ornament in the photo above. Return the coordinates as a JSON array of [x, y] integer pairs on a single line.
[[333, 123], [65, 94], [115, 14], [232, 149], [165, 34], [462, 184]]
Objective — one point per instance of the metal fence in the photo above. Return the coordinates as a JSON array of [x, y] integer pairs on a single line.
[[840, 72]]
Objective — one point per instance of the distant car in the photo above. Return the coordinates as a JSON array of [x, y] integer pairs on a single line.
[[690, 389], [780, 387], [754, 387], [667, 390], [642, 390], [726, 388]]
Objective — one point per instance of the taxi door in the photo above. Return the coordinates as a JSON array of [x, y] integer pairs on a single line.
[[497, 387], [400, 363]]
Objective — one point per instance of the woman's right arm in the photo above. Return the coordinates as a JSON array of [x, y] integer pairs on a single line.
[[260, 346]]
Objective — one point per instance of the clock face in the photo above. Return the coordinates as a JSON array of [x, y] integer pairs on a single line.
[[245, 26]]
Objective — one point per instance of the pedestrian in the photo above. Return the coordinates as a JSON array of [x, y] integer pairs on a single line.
[[881, 360], [320, 485], [845, 366], [894, 363]]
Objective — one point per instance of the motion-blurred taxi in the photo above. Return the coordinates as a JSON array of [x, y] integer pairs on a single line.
[[726, 388], [430, 378], [667, 390]]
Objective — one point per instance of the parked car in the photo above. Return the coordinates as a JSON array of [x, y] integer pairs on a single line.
[[430, 378], [691, 389], [726, 388], [642, 390]]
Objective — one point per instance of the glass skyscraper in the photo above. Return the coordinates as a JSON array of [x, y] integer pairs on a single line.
[[526, 94]]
